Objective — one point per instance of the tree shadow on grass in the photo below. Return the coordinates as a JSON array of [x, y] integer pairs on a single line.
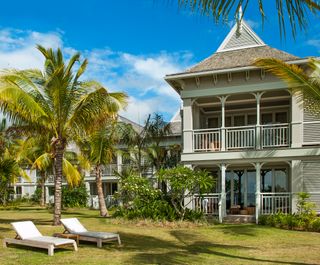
[[37, 221], [241, 229], [186, 249]]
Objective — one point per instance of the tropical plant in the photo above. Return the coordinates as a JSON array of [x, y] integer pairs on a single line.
[[183, 183], [294, 11], [305, 79], [35, 152], [57, 102], [10, 171], [98, 149]]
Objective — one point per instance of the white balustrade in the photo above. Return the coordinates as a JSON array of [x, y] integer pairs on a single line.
[[244, 137], [275, 135], [272, 203], [208, 203], [206, 140], [240, 137]]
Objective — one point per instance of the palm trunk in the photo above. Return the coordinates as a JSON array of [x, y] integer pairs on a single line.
[[42, 198], [59, 149], [102, 202]]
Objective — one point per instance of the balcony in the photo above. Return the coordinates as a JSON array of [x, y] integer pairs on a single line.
[[241, 138]]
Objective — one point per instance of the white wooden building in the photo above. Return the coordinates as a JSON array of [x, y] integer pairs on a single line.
[[247, 127]]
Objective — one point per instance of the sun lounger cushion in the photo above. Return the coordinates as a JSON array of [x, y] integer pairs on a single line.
[[100, 235], [26, 229], [73, 225], [52, 240]]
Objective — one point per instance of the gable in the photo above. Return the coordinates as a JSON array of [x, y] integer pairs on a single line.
[[240, 37]]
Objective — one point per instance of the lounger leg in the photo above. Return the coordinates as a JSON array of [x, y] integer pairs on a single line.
[[4, 243], [50, 250], [99, 243], [75, 246], [119, 241]]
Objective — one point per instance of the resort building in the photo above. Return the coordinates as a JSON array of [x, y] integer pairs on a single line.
[[249, 129]]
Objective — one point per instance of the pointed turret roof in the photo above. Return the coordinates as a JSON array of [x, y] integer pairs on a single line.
[[241, 48]]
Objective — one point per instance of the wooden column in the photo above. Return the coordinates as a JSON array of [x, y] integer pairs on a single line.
[[258, 176], [222, 202]]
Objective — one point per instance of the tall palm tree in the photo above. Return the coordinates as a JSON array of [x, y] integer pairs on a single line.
[[294, 11], [99, 149], [305, 79], [57, 102]]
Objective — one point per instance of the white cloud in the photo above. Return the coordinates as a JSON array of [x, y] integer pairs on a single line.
[[140, 76], [315, 43]]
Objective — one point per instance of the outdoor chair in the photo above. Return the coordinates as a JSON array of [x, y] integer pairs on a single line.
[[73, 226], [29, 235]]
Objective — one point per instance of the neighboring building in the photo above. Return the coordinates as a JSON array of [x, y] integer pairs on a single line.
[[247, 127], [24, 188]]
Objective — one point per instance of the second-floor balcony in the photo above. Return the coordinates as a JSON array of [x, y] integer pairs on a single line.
[[242, 137]]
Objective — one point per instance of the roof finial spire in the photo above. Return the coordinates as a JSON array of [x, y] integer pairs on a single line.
[[239, 20]]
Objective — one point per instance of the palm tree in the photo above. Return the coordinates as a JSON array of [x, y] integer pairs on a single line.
[[296, 12], [57, 102], [99, 149], [305, 79], [35, 152]]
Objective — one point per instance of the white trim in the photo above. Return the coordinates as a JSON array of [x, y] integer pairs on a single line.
[[221, 71], [233, 31]]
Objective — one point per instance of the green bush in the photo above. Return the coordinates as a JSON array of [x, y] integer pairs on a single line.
[[141, 200], [304, 219], [36, 196], [74, 196]]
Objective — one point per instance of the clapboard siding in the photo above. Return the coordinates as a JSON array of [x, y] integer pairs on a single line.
[[311, 180], [241, 40], [311, 131]]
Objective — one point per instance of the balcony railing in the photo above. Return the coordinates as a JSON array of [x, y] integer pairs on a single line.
[[272, 203], [240, 137], [275, 135], [208, 203], [206, 140], [245, 137]]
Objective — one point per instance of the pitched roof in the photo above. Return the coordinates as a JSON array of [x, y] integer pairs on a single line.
[[239, 58], [137, 127], [240, 48]]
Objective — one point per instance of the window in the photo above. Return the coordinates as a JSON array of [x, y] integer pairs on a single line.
[[19, 190], [213, 122], [93, 189], [267, 118], [281, 117], [266, 180], [228, 122], [280, 179], [252, 119], [239, 120]]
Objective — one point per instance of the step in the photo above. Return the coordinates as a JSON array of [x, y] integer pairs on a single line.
[[239, 219]]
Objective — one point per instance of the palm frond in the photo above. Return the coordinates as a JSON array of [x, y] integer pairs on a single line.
[[71, 174]]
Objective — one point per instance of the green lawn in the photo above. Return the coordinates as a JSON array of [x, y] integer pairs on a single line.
[[147, 243]]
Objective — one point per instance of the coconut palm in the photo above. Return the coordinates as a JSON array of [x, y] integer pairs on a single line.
[[35, 152], [296, 12], [305, 79], [99, 149], [56, 102]]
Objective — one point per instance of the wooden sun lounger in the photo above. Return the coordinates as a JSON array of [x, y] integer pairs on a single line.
[[29, 235], [73, 226]]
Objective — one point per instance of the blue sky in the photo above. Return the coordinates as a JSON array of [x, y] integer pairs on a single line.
[[130, 45]]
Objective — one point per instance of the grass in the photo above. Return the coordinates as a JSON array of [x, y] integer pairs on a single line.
[[156, 243]]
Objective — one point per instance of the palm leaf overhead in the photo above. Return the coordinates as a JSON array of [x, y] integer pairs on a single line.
[[57, 102], [294, 11], [305, 79]]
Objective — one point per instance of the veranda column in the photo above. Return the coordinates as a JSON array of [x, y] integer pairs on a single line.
[[258, 177], [189, 200], [222, 202], [119, 163], [258, 125], [296, 182], [296, 119], [187, 126], [47, 195], [223, 122]]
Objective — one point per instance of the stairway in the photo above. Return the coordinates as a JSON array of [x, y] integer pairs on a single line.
[[239, 219]]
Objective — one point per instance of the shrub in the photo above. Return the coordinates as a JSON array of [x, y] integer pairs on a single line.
[[74, 196], [304, 219]]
